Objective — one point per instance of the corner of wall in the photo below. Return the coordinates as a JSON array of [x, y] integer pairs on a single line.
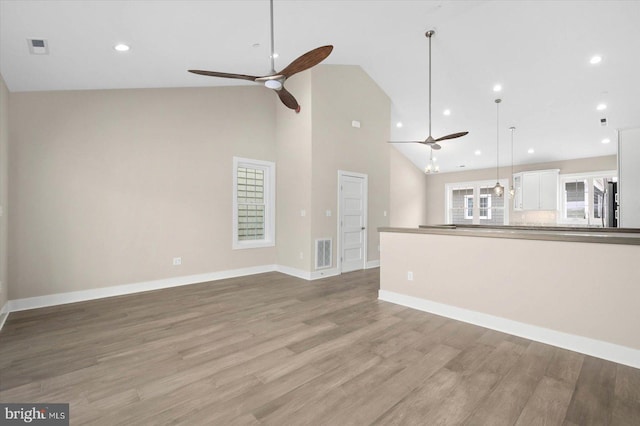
[[4, 196]]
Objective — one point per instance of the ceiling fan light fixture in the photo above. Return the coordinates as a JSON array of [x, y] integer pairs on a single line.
[[497, 88], [122, 47], [273, 84]]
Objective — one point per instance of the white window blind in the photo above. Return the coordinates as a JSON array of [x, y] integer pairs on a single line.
[[253, 203]]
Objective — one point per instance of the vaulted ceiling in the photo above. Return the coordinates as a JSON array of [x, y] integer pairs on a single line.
[[538, 51]]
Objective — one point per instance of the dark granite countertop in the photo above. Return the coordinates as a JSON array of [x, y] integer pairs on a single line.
[[547, 233]]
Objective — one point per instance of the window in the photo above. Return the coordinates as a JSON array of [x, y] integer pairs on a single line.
[[584, 198], [253, 203], [485, 206], [468, 206], [474, 203]]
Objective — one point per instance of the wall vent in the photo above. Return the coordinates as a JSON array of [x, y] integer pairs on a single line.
[[323, 253], [38, 46]]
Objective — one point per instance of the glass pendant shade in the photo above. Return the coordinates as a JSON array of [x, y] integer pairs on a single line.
[[498, 190], [512, 192]]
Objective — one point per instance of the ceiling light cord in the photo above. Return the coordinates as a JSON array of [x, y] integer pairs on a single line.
[[498, 190], [497, 140], [429, 84], [273, 47]]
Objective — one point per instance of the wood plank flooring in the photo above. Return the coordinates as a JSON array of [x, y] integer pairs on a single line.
[[275, 350]]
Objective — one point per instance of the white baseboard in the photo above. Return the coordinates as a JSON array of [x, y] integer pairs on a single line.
[[99, 293], [294, 272], [324, 273], [585, 345], [373, 264]]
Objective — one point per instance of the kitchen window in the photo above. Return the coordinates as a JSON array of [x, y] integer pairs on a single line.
[[584, 198], [475, 203]]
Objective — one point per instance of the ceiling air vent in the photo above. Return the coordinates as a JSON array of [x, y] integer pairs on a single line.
[[38, 46]]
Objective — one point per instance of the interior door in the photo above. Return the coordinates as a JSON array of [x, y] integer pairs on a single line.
[[353, 221]]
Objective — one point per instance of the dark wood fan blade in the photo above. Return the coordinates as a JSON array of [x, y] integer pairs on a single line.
[[288, 99], [422, 142], [306, 61], [224, 75], [452, 136]]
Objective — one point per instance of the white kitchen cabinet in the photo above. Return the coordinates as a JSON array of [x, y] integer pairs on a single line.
[[539, 190]]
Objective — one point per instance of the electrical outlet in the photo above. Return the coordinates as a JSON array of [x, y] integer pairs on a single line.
[[409, 275], [177, 261]]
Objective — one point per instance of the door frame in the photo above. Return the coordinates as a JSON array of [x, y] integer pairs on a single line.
[[365, 203]]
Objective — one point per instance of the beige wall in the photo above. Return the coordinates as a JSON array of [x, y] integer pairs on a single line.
[[550, 284], [436, 183], [109, 186], [294, 176], [408, 192], [4, 189], [341, 94]]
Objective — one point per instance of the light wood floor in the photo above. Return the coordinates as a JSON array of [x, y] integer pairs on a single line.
[[272, 349]]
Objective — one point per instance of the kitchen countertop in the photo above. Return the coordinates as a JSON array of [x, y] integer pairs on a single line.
[[550, 233]]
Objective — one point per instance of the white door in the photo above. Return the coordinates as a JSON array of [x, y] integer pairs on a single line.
[[353, 220]]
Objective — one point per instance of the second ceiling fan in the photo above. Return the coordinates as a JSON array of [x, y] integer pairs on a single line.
[[275, 80], [430, 141]]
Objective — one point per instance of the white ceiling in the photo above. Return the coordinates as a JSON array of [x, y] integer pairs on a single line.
[[538, 50]]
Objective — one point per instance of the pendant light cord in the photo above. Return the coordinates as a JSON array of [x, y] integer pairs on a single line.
[[498, 140], [512, 130]]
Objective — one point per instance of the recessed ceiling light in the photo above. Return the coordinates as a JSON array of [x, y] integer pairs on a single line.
[[596, 59], [435, 159], [275, 55], [530, 151], [497, 88], [601, 107], [399, 124], [477, 152], [255, 45], [606, 140], [462, 166], [447, 112], [121, 47]]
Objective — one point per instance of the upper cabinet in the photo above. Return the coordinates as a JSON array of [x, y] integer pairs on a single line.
[[536, 190]]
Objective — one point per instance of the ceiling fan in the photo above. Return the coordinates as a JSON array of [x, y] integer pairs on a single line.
[[430, 141], [275, 80]]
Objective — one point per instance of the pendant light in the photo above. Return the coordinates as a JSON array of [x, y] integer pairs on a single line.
[[512, 190], [498, 190], [432, 167]]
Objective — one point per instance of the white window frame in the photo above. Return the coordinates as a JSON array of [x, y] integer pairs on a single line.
[[475, 185], [487, 207], [589, 177], [269, 169], [466, 206]]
